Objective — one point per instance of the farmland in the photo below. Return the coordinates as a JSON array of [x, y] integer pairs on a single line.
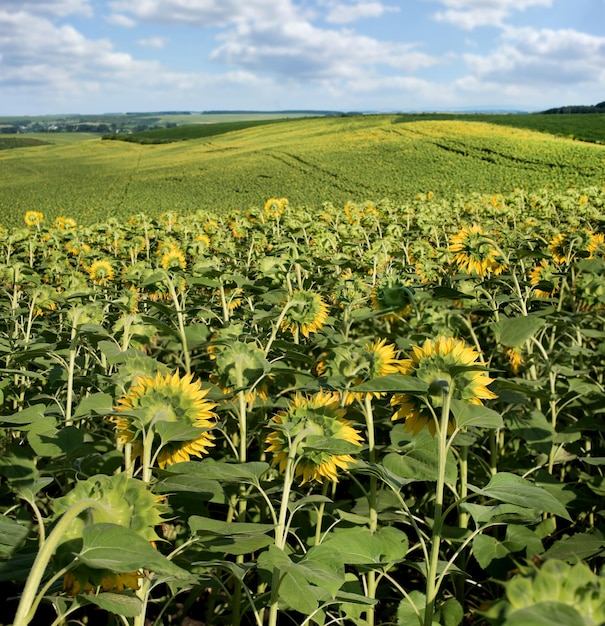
[[309, 161], [326, 371]]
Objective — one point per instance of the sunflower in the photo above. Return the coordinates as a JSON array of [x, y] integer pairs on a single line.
[[560, 248], [544, 279], [65, 223], [475, 252], [596, 246], [515, 358], [445, 360], [306, 313], [322, 417], [357, 366], [101, 272], [274, 207], [166, 398], [126, 502], [173, 259], [33, 218], [392, 297]]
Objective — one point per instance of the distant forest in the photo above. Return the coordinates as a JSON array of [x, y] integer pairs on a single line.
[[579, 108]]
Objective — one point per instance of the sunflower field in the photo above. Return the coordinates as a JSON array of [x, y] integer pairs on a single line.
[[366, 415]]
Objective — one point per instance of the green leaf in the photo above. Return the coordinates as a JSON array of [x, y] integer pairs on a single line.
[[475, 415], [516, 490], [577, 547], [356, 546], [482, 514], [177, 431], [225, 472], [117, 603], [218, 527], [411, 610], [393, 383], [545, 614], [119, 549], [418, 460], [485, 549], [12, 535], [27, 416], [97, 404], [450, 612], [514, 331]]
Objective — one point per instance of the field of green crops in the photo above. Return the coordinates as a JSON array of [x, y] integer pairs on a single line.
[[378, 408], [309, 161]]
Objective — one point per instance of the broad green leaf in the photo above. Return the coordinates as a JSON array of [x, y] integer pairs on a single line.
[[48, 441], [357, 546], [485, 549], [25, 417], [482, 514], [28, 490], [218, 527], [177, 431], [119, 549], [396, 383], [412, 609], [534, 429], [117, 603], [514, 489], [450, 612], [475, 415], [418, 460], [225, 472], [97, 403], [12, 535], [577, 547], [208, 490], [514, 331], [545, 614]]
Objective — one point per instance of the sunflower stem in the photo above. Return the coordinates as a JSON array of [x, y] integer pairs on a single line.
[[71, 366], [30, 599], [433, 564], [181, 323], [371, 577]]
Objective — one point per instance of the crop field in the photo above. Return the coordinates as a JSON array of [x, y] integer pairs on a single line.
[[361, 414], [309, 161], [341, 371]]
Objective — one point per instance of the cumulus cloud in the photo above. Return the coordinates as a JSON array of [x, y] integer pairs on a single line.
[[340, 13], [469, 14], [121, 20], [543, 57], [153, 42], [59, 8]]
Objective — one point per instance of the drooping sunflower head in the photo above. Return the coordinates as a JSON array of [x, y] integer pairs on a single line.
[[325, 440], [596, 246], [475, 252], [173, 259], [445, 362], [306, 313], [33, 218], [126, 502], [65, 224], [392, 297], [560, 248], [166, 398], [239, 365], [101, 272], [544, 279]]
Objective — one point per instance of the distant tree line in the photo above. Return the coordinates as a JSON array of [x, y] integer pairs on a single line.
[[580, 108]]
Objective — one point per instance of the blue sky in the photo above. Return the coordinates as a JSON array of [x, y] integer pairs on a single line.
[[96, 56]]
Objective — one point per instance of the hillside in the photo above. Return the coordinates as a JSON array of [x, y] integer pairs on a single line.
[[309, 161]]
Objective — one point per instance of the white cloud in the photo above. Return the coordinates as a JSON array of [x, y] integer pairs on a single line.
[[340, 13], [121, 20], [59, 8], [153, 42], [469, 14], [543, 57]]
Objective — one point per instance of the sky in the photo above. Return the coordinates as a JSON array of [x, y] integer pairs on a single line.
[[100, 56]]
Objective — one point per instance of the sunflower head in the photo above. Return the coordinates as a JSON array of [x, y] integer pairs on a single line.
[[101, 272], [33, 218], [392, 296], [445, 363], [474, 251], [126, 502], [544, 279], [306, 313], [325, 440], [166, 398], [173, 259]]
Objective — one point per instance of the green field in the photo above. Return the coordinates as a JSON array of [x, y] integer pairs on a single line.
[[310, 161]]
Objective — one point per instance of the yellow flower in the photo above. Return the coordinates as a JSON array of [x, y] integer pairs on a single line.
[[596, 246], [110, 582], [445, 360], [560, 249], [65, 223], [322, 418], [166, 398], [515, 358], [274, 207], [475, 252], [173, 258], [542, 276], [101, 272], [33, 218], [307, 312]]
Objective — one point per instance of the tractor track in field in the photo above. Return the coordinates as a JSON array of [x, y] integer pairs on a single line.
[[295, 161]]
